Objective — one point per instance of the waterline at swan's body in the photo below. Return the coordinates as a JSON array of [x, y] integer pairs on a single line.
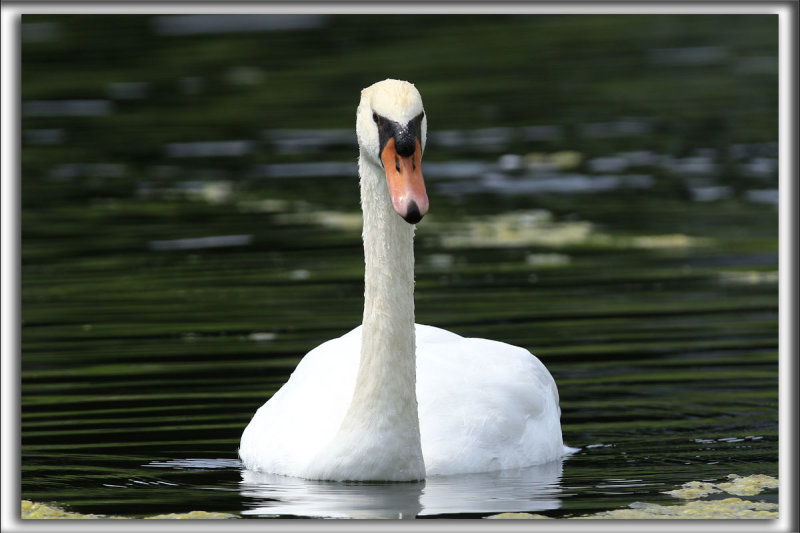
[[483, 405]]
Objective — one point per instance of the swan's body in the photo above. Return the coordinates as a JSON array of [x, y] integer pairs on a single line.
[[391, 400], [483, 405]]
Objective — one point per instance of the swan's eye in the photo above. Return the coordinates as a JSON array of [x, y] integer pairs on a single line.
[[397, 163], [376, 118]]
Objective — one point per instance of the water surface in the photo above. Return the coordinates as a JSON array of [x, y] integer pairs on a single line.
[[142, 366]]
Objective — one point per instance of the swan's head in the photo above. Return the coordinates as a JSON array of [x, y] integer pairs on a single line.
[[392, 128]]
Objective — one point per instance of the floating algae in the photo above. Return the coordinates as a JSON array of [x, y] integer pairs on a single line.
[[748, 486], [715, 509], [738, 486], [698, 509], [693, 490], [33, 510], [535, 227]]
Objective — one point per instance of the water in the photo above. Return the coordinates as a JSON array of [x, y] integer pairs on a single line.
[[168, 292], [142, 364]]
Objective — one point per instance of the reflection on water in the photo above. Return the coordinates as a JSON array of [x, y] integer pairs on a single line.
[[271, 496], [530, 489]]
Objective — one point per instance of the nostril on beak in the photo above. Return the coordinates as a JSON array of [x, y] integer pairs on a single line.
[[413, 214]]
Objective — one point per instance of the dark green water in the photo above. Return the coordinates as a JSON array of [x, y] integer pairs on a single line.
[[649, 288]]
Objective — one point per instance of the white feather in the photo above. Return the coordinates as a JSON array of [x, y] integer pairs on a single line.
[[395, 401]]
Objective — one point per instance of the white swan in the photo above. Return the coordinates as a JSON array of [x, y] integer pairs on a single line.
[[391, 400]]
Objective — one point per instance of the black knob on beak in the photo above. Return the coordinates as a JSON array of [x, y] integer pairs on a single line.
[[413, 214]]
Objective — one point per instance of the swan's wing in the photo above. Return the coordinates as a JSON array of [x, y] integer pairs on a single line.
[[287, 431], [483, 404]]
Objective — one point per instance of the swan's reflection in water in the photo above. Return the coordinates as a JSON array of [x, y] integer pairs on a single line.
[[531, 489]]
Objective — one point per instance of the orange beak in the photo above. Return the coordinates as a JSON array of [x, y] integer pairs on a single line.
[[406, 186]]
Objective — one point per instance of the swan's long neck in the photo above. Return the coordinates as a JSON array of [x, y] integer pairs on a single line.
[[387, 374], [379, 438]]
